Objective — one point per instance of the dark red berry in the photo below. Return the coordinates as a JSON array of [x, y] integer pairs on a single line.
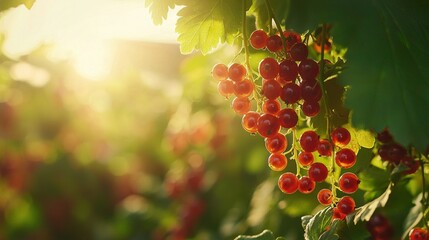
[[299, 51], [291, 38], [243, 88], [288, 183], [412, 164], [241, 105], [348, 183], [324, 148], [276, 143], [288, 70], [384, 136], [291, 93], [237, 72], [250, 121], [325, 196], [288, 118], [305, 158], [311, 90], [271, 89], [419, 234], [271, 106], [340, 136], [269, 68], [306, 185], [309, 141], [277, 161], [345, 158], [337, 214], [258, 39], [274, 43], [346, 205], [318, 172], [268, 125], [310, 109], [308, 69]]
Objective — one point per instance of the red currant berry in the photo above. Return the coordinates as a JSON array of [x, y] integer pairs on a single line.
[[225, 88], [271, 89], [325, 196], [419, 234], [379, 227], [299, 51], [340, 137], [243, 88], [288, 118], [268, 125], [306, 185], [383, 151], [250, 121], [311, 90], [276, 143], [308, 69], [258, 39], [277, 161], [412, 164], [291, 93], [345, 158], [269, 68], [291, 38], [237, 72], [396, 152], [309, 141], [384, 136], [337, 214], [310, 109], [220, 72], [288, 70], [346, 205], [274, 43], [241, 105], [348, 183], [288, 183], [324, 148], [318, 172], [271, 106], [305, 158]]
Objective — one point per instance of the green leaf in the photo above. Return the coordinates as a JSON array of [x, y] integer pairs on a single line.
[[374, 181], [318, 224], [159, 9], [365, 212], [331, 234], [265, 235], [6, 4], [414, 216]]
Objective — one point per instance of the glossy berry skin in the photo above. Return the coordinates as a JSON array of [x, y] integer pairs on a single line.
[[220, 72], [271, 106], [268, 125], [396, 152], [318, 172], [291, 93], [418, 234], [348, 183], [306, 185], [250, 121], [412, 165], [299, 51], [258, 39], [305, 158], [277, 162], [243, 88], [379, 227], [384, 136], [340, 137], [346, 205], [324, 196], [237, 72], [274, 43], [288, 183], [241, 105], [269, 68], [291, 38], [288, 70], [271, 89], [337, 214], [225, 88], [345, 158], [311, 90], [276, 143], [310, 109], [324, 148], [309, 141], [288, 118], [308, 69]]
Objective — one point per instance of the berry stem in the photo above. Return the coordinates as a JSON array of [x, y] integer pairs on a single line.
[[295, 152], [277, 22]]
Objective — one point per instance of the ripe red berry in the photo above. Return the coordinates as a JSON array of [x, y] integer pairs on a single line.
[[291, 38], [271, 89], [419, 234], [241, 105], [288, 183], [318, 172], [305, 158], [258, 39], [288, 70], [384, 136], [269, 68], [346, 205], [345, 158], [288, 118], [340, 137], [308, 69], [324, 148], [299, 51], [268, 125], [310, 109], [274, 43], [276, 143], [412, 164], [337, 214], [325, 196], [271, 106], [311, 90], [379, 227], [348, 183], [396, 152], [306, 185], [225, 88], [237, 72], [220, 72], [250, 121], [277, 161], [291, 93], [243, 88], [309, 141]]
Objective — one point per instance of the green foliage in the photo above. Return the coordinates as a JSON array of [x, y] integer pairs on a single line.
[[6, 4], [374, 181], [414, 216], [265, 235], [159, 9], [317, 225], [365, 212]]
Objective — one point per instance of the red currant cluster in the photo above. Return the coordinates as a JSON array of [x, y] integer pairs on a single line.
[[379, 227], [419, 234], [394, 153]]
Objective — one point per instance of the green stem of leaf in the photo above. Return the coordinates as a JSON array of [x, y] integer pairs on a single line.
[[295, 152]]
